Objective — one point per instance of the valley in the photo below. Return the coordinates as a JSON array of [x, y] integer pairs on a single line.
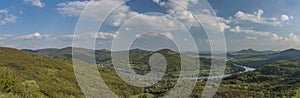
[[49, 73]]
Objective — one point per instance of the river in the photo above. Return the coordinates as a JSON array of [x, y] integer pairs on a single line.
[[189, 78]]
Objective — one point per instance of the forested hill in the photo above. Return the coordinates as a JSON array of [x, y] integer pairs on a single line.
[[28, 75], [261, 58]]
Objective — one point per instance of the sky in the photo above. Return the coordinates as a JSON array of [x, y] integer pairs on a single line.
[[257, 24]]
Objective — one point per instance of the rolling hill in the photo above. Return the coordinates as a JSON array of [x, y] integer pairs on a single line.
[[279, 79], [49, 73], [247, 53], [24, 74], [261, 59], [139, 59]]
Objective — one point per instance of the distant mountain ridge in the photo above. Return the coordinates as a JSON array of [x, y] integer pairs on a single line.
[[248, 53], [258, 58], [250, 50], [255, 58], [67, 52]]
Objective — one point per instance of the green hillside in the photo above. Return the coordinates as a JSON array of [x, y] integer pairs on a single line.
[[277, 73], [139, 59], [279, 79], [24, 74], [257, 61], [249, 53]]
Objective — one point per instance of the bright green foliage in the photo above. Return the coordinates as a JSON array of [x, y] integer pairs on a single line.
[[279, 79], [8, 82], [30, 75]]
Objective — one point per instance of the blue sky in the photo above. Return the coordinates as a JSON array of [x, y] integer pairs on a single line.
[[258, 24]]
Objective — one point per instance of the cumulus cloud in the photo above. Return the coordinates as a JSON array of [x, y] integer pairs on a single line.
[[293, 37], [103, 35], [72, 8], [213, 23], [6, 17], [146, 22], [97, 10], [257, 17], [123, 14], [284, 17], [36, 3], [142, 21], [34, 36], [118, 17], [159, 2], [98, 35], [216, 24], [270, 35]]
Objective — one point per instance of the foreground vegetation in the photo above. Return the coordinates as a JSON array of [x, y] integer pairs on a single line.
[[28, 75], [279, 79]]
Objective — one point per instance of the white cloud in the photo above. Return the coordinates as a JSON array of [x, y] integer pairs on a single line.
[[181, 13], [143, 22], [123, 14], [235, 29], [98, 35], [257, 17], [103, 35], [224, 26], [36, 3], [156, 34], [31, 36], [293, 37], [251, 37], [6, 17], [117, 18], [213, 23], [96, 11], [216, 24], [270, 35], [292, 17], [72, 8], [159, 2], [284, 18]]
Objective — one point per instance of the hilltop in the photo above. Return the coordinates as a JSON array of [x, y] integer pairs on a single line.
[[260, 59], [246, 53]]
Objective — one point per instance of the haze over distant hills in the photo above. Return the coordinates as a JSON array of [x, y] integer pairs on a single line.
[[67, 52]]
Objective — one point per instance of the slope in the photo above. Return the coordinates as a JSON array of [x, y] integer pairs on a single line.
[[35, 75]]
